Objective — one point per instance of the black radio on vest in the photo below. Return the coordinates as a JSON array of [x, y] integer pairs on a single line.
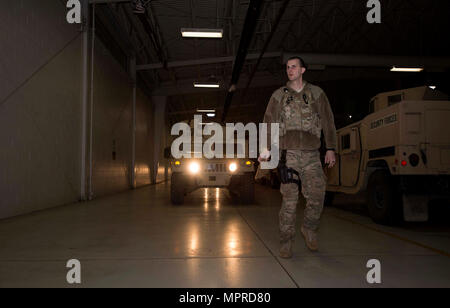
[[305, 98]]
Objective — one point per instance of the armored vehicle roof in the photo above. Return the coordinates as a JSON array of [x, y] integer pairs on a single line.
[[387, 99]]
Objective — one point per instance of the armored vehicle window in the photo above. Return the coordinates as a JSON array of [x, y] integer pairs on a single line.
[[345, 142], [394, 99]]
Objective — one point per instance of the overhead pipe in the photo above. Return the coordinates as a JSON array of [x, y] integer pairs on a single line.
[[319, 59], [251, 19], [204, 61], [359, 60]]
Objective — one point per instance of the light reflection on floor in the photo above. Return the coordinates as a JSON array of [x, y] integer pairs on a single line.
[[212, 199]]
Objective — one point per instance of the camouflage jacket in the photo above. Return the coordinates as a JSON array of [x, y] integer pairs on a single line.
[[302, 117]]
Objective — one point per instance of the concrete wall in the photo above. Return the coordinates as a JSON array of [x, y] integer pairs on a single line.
[[40, 113]]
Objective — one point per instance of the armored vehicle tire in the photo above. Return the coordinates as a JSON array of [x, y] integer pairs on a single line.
[[383, 198], [177, 188]]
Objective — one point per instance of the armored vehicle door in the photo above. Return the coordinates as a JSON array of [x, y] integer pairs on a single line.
[[437, 149], [350, 155]]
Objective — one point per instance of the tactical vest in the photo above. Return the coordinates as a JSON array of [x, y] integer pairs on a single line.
[[300, 112]]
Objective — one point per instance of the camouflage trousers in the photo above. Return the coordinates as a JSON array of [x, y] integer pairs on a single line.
[[313, 180]]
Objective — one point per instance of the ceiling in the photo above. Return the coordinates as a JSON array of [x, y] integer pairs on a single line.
[[410, 30]]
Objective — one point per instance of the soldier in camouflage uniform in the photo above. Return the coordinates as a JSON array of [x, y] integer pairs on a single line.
[[303, 112]]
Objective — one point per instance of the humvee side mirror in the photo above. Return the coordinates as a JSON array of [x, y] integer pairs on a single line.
[[167, 153]]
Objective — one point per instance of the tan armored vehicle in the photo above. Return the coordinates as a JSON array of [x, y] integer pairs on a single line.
[[235, 174], [399, 154]]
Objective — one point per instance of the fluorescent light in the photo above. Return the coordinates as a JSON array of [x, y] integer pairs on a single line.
[[206, 85], [202, 33], [206, 110], [407, 69], [211, 115]]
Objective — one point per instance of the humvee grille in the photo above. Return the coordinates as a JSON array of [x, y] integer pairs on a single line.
[[215, 168]]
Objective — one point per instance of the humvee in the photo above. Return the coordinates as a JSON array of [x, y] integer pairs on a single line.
[[398, 155], [235, 174]]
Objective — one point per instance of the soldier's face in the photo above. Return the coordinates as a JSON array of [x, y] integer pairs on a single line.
[[294, 70]]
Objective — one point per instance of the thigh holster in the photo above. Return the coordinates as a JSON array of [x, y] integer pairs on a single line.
[[287, 174]]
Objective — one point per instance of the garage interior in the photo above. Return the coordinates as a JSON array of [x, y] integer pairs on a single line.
[[86, 111]]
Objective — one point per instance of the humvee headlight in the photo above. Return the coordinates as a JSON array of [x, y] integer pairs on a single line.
[[194, 167], [232, 167]]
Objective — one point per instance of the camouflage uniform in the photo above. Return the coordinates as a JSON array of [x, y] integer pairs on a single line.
[[302, 117], [308, 165]]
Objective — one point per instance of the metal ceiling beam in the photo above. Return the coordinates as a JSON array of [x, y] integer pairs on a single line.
[[312, 33], [153, 36], [153, 66], [113, 25]]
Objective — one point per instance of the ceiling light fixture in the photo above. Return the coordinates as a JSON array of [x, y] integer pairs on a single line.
[[210, 115], [206, 85], [201, 33], [407, 69]]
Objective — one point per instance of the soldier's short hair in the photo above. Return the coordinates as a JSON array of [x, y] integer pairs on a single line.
[[302, 63]]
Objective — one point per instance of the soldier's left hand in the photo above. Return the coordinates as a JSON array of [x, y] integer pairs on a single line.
[[330, 159]]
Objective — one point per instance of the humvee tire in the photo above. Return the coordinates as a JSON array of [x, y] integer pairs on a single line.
[[177, 188], [382, 198], [247, 188]]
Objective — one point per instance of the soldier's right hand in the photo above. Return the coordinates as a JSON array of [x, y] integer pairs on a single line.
[[264, 156]]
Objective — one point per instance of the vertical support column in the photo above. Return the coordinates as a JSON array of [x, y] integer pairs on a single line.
[[84, 96], [166, 163], [91, 114], [159, 126], [133, 128]]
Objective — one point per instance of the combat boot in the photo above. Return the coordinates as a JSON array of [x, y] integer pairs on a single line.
[[310, 238], [286, 250]]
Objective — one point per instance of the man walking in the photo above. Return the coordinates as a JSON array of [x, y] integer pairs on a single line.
[[303, 112]]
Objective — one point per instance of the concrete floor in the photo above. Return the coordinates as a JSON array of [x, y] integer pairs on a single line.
[[138, 239]]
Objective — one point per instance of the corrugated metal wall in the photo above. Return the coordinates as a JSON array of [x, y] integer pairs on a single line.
[[40, 113]]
